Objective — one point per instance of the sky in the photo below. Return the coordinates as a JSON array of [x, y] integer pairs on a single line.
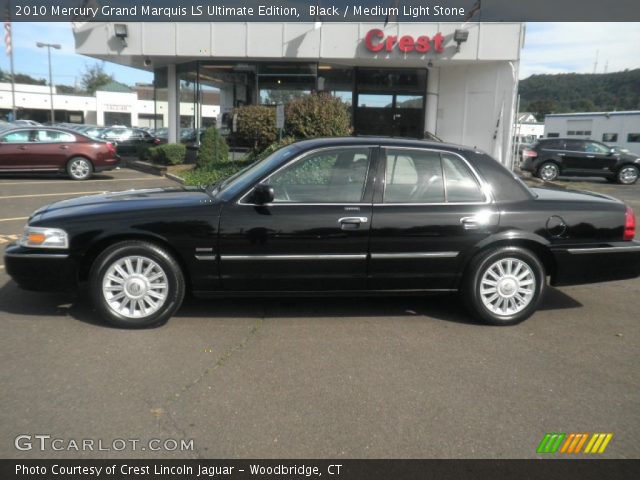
[[549, 48]]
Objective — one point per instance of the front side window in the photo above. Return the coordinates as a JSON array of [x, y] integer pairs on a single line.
[[329, 176], [593, 147], [23, 136]]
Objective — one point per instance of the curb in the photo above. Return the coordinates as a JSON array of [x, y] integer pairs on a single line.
[[175, 178], [146, 167]]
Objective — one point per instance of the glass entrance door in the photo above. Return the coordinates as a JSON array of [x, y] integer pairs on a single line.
[[390, 102], [396, 115]]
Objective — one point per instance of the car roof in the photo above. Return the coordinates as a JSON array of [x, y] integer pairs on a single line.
[[379, 140]]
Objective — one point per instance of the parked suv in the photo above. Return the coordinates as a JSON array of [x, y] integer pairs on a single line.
[[549, 158]]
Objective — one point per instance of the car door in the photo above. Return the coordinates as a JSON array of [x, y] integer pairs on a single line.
[[15, 149], [599, 157], [429, 211], [574, 157], [50, 149], [313, 236]]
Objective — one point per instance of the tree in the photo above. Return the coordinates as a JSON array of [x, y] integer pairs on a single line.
[[94, 77]]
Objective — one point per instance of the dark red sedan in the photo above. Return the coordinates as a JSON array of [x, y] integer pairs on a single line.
[[49, 149]]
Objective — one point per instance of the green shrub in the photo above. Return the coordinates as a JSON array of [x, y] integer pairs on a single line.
[[213, 174], [213, 149], [318, 115], [169, 154], [256, 126], [256, 156], [142, 152]]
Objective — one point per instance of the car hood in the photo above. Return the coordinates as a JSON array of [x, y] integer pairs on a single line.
[[568, 195], [130, 201]]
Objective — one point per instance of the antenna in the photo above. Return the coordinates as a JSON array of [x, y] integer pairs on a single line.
[[595, 65]]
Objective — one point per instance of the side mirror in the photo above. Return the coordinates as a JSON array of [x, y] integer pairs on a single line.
[[263, 194], [612, 151]]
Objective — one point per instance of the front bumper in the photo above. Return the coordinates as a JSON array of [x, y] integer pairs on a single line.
[[41, 270], [583, 264]]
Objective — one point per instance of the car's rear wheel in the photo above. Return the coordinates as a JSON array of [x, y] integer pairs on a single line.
[[628, 175], [503, 286], [136, 284], [79, 168], [548, 171]]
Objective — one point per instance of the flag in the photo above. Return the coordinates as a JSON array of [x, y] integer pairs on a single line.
[[391, 18], [8, 43], [475, 9]]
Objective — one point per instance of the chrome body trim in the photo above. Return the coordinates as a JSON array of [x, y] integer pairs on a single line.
[[206, 257], [296, 257], [587, 251], [392, 256], [59, 256]]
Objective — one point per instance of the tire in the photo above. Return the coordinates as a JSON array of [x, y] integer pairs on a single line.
[[627, 175], [79, 168], [548, 171], [516, 295], [151, 290]]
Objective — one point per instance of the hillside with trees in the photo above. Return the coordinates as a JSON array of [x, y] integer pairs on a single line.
[[577, 92]]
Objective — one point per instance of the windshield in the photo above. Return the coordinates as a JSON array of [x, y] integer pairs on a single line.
[[248, 176]]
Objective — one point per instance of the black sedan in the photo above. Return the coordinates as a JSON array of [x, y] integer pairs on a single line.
[[341, 216]]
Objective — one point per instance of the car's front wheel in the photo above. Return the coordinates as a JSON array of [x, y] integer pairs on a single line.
[[628, 175], [79, 168], [136, 284], [503, 286], [548, 171]]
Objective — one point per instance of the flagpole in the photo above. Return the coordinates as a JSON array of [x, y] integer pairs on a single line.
[[9, 32]]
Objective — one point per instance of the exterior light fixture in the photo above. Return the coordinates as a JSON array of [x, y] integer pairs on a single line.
[[460, 36], [121, 32]]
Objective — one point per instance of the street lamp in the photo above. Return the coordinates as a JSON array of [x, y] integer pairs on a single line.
[[49, 46]]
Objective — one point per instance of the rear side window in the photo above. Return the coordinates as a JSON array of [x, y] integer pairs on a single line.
[[419, 176], [413, 176], [574, 146], [460, 183], [552, 144], [53, 136]]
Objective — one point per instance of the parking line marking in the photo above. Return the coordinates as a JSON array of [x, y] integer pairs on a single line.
[[13, 219], [83, 182], [68, 194], [1, 267]]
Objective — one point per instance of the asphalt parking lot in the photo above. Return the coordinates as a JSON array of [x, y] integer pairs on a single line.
[[296, 378]]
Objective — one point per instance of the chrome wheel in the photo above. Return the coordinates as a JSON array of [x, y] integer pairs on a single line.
[[79, 168], [549, 172], [507, 287], [135, 287], [628, 175]]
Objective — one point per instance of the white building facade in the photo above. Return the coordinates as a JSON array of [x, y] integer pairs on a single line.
[[402, 79], [105, 108], [613, 128]]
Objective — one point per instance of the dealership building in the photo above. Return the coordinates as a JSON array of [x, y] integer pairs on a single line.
[[457, 81]]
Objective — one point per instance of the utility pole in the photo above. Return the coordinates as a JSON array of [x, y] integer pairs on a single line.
[[49, 46]]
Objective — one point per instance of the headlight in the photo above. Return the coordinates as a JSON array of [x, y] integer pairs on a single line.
[[38, 237]]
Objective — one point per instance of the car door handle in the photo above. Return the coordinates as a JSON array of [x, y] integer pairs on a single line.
[[22, 147], [64, 147], [591, 156], [561, 154], [352, 223], [470, 223]]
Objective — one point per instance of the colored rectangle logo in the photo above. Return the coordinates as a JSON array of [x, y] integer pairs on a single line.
[[574, 443]]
